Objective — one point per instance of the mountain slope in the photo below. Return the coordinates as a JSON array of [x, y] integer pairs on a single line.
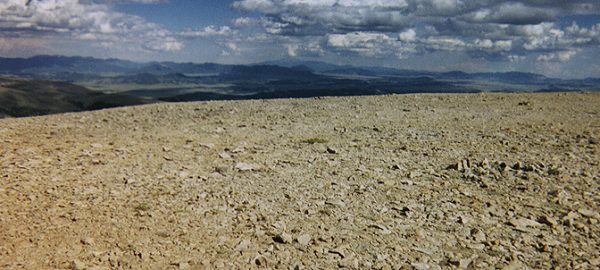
[[20, 98]]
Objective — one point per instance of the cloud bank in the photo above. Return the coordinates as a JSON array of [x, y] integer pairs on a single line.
[[92, 21], [498, 30]]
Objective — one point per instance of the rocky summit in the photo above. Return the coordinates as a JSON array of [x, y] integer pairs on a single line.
[[467, 181]]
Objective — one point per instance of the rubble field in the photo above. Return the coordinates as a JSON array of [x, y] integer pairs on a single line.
[[466, 181]]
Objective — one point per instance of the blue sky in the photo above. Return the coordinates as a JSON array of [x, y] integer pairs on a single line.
[[553, 37], [180, 14]]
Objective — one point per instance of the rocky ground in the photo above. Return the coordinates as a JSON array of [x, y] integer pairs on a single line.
[[484, 181]]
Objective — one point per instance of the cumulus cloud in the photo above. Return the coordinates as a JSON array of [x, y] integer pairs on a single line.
[[310, 49], [126, 1], [84, 20], [307, 17], [298, 16], [168, 44], [508, 29], [409, 35], [245, 22], [511, 13], [487, 44], [563, 56], [364, 43], [209, 31]]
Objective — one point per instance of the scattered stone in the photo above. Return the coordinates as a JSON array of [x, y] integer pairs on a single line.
[[304, 239], [477, 246], [239, 149], [383, 230], [460, 263], [465, 219], [515, 265], [548, 220], [387, 182], [283, 238], [97, 145], [244, 167], [336, 202], [225, 155], [589, 213], [339, 251], [183, 265], [478, 235], [423, 250], [524, 103], [569, 219], [260, 260], [349, 262], [407, 182], [207, 145], [244, 245], [77, 265], [421, 266], [87, 241], [382, 202], [331, 150], [523, 224], [414, 174]]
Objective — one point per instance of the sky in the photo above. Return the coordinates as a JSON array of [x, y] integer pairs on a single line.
[[557, 38]]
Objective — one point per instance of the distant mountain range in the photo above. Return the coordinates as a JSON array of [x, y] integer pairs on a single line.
[[137, 83]]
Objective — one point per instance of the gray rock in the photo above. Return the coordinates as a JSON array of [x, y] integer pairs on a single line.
[[283, 238], [87, 241], [77, 265], [304, 239]]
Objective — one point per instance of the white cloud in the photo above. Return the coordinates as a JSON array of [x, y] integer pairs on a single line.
[[490, 45], [231, 48], [446, 43], [167, 45], [494, 28], [209, 31], [309, 17], [292, 50], [563, 56], [245, 22], [511, 13], [84, 20], [307, 48], [125, 1], [360, 42], [409, 35], [357, 39], [515, 58]]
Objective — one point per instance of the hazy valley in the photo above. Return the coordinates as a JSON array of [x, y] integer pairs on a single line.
[[138, 83]]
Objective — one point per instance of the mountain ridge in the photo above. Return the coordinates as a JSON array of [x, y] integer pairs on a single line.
[[69, 63], [124, 82]]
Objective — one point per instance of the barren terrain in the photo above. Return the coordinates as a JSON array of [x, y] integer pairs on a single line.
[[482, 181]]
